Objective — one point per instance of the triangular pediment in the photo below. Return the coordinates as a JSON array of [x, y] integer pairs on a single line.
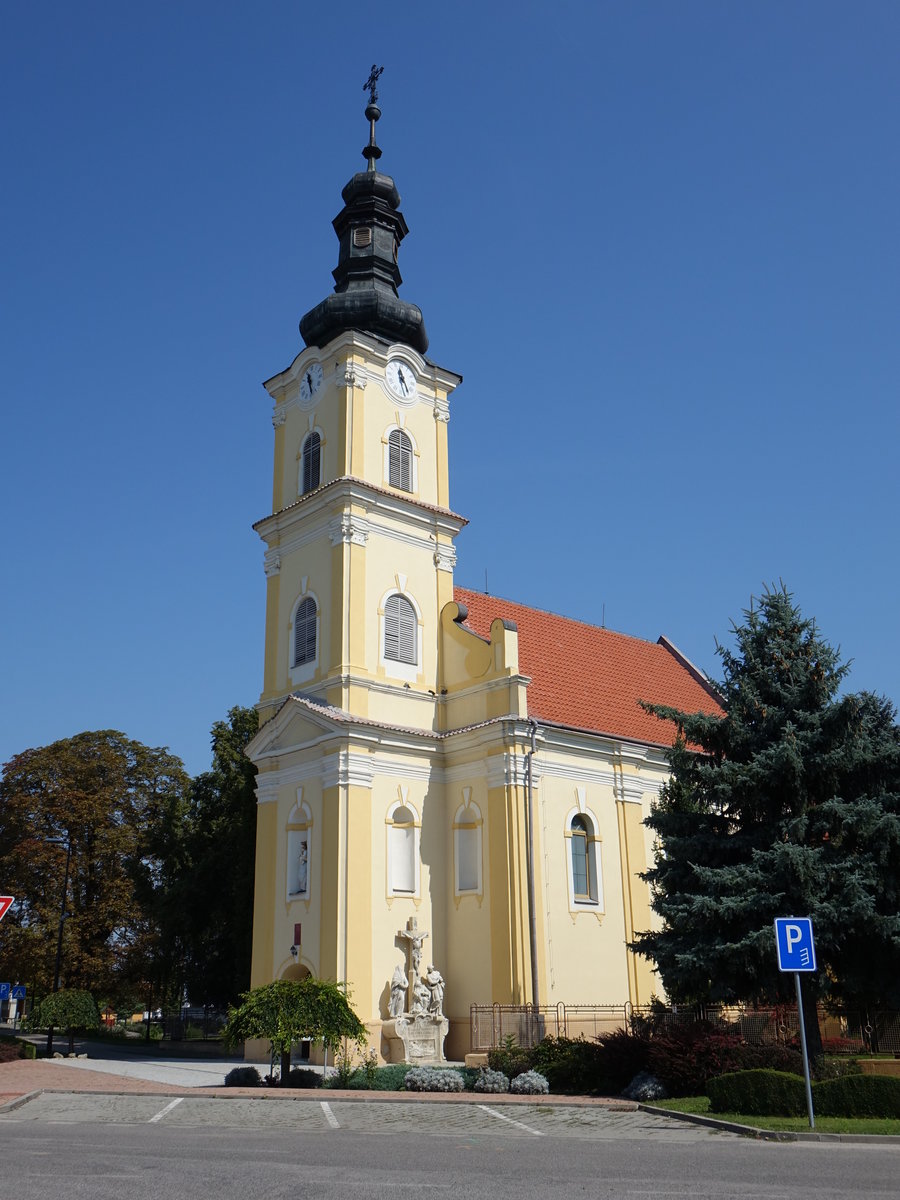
[[298, 724]]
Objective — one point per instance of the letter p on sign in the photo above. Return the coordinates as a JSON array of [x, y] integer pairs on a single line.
[[794, 942]]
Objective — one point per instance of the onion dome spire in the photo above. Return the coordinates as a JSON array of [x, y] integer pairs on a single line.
[[370, 228]]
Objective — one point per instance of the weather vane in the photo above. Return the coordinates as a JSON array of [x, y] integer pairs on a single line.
[[371, 84]]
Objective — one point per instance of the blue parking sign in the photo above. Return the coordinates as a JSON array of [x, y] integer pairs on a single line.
[[5, 989], [794, 941]]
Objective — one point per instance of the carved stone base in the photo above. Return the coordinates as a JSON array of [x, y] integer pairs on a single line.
[[416, 1040]]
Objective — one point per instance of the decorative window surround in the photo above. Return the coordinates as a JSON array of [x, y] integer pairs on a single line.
[[584, 866], [403, 830]]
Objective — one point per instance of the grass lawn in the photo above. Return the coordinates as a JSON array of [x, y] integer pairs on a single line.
[[700, 1104]]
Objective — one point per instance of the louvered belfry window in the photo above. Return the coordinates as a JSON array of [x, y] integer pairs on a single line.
[[400, 460], [399, 630], [305, 632], [312, 458]]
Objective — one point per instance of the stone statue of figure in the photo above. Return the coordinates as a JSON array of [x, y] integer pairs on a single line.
[[302, 868], [399, 984], [421, 998], [415, 943], [434, 981]]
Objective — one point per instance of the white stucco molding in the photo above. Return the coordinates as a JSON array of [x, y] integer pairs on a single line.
[[272, 563], [348, 529], [347, 769], [279, 415]]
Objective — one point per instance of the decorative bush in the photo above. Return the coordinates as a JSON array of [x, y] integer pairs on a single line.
[[243, 1077], [568, 1064], [758, 1093], [433, 1079], [491, 1081], [858, 1096], [510, 1058], [685, 1057], [645, 1087], [622, 1056], [300, 1077], [530, 1083]]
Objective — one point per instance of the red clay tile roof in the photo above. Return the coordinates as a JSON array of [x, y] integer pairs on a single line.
[[591, 678]]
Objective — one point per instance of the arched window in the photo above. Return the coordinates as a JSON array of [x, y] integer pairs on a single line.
[[583, 850], [400, 460], [400, 628], [581, 874], [305, 632], [310, 465], [467, 827], [402, 850]]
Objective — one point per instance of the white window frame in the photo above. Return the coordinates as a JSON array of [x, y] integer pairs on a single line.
[[408, 671], [301, 672], [413, 461], [416, 826], [594, 902], [315, 432]]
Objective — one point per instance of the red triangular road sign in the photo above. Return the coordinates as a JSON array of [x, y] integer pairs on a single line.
[[5, 902]]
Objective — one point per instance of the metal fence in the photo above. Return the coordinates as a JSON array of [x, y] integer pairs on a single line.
[[843, 1032]]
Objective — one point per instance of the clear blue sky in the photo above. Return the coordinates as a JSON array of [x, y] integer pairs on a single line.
[[659, 240]]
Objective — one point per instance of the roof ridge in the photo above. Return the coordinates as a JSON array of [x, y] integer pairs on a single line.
[[547, 612]]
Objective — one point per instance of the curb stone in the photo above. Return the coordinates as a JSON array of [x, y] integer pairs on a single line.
[[773, 1135]]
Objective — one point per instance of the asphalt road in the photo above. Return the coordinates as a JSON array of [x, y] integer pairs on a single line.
[[141, 1147]]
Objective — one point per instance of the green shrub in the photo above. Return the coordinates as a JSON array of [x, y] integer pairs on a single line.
[[569, 1064], [858, 1096], [301, 1077], [510, 1058], [243, 1077], [759, 1093]]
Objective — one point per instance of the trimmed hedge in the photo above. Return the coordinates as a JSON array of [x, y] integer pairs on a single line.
[[778, 1094], [759, 1093], [858, 1096], [12, 1048]]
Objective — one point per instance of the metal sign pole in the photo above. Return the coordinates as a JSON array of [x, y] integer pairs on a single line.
[[809, 1102]]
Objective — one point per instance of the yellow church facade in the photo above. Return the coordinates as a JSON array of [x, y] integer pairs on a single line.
[[431, 758]]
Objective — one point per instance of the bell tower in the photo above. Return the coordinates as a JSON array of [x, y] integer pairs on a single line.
[[360, 542]]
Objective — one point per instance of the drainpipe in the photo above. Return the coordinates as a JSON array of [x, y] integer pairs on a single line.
[[529, 868]]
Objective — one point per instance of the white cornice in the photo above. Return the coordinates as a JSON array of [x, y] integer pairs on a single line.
[[380, 507]]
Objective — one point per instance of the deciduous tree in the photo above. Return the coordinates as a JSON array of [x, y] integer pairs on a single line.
[[286, 1011], [115, 801]]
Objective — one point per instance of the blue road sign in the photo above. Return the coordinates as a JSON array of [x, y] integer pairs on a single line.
[[18, 992], [794, 940], [5, 990]]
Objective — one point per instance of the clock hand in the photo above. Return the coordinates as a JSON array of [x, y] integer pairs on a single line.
[[309, 382], [403, 382]]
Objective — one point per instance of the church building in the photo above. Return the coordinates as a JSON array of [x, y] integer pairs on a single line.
[[434, 763]]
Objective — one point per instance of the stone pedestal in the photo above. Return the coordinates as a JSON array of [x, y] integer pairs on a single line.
[[418, 1040]]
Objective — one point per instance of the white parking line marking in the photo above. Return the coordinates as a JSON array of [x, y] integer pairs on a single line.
[[162, 1112], [329, 1115], [503, 1117]]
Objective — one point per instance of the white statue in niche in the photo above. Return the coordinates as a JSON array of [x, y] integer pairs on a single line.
[[302, 868], [399, 984], [434, 981]]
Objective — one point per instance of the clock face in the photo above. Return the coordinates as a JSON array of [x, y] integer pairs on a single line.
[[311, 381], [401, 379]]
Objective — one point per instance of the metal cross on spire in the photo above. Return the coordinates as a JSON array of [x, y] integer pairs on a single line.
[[371, 84]]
